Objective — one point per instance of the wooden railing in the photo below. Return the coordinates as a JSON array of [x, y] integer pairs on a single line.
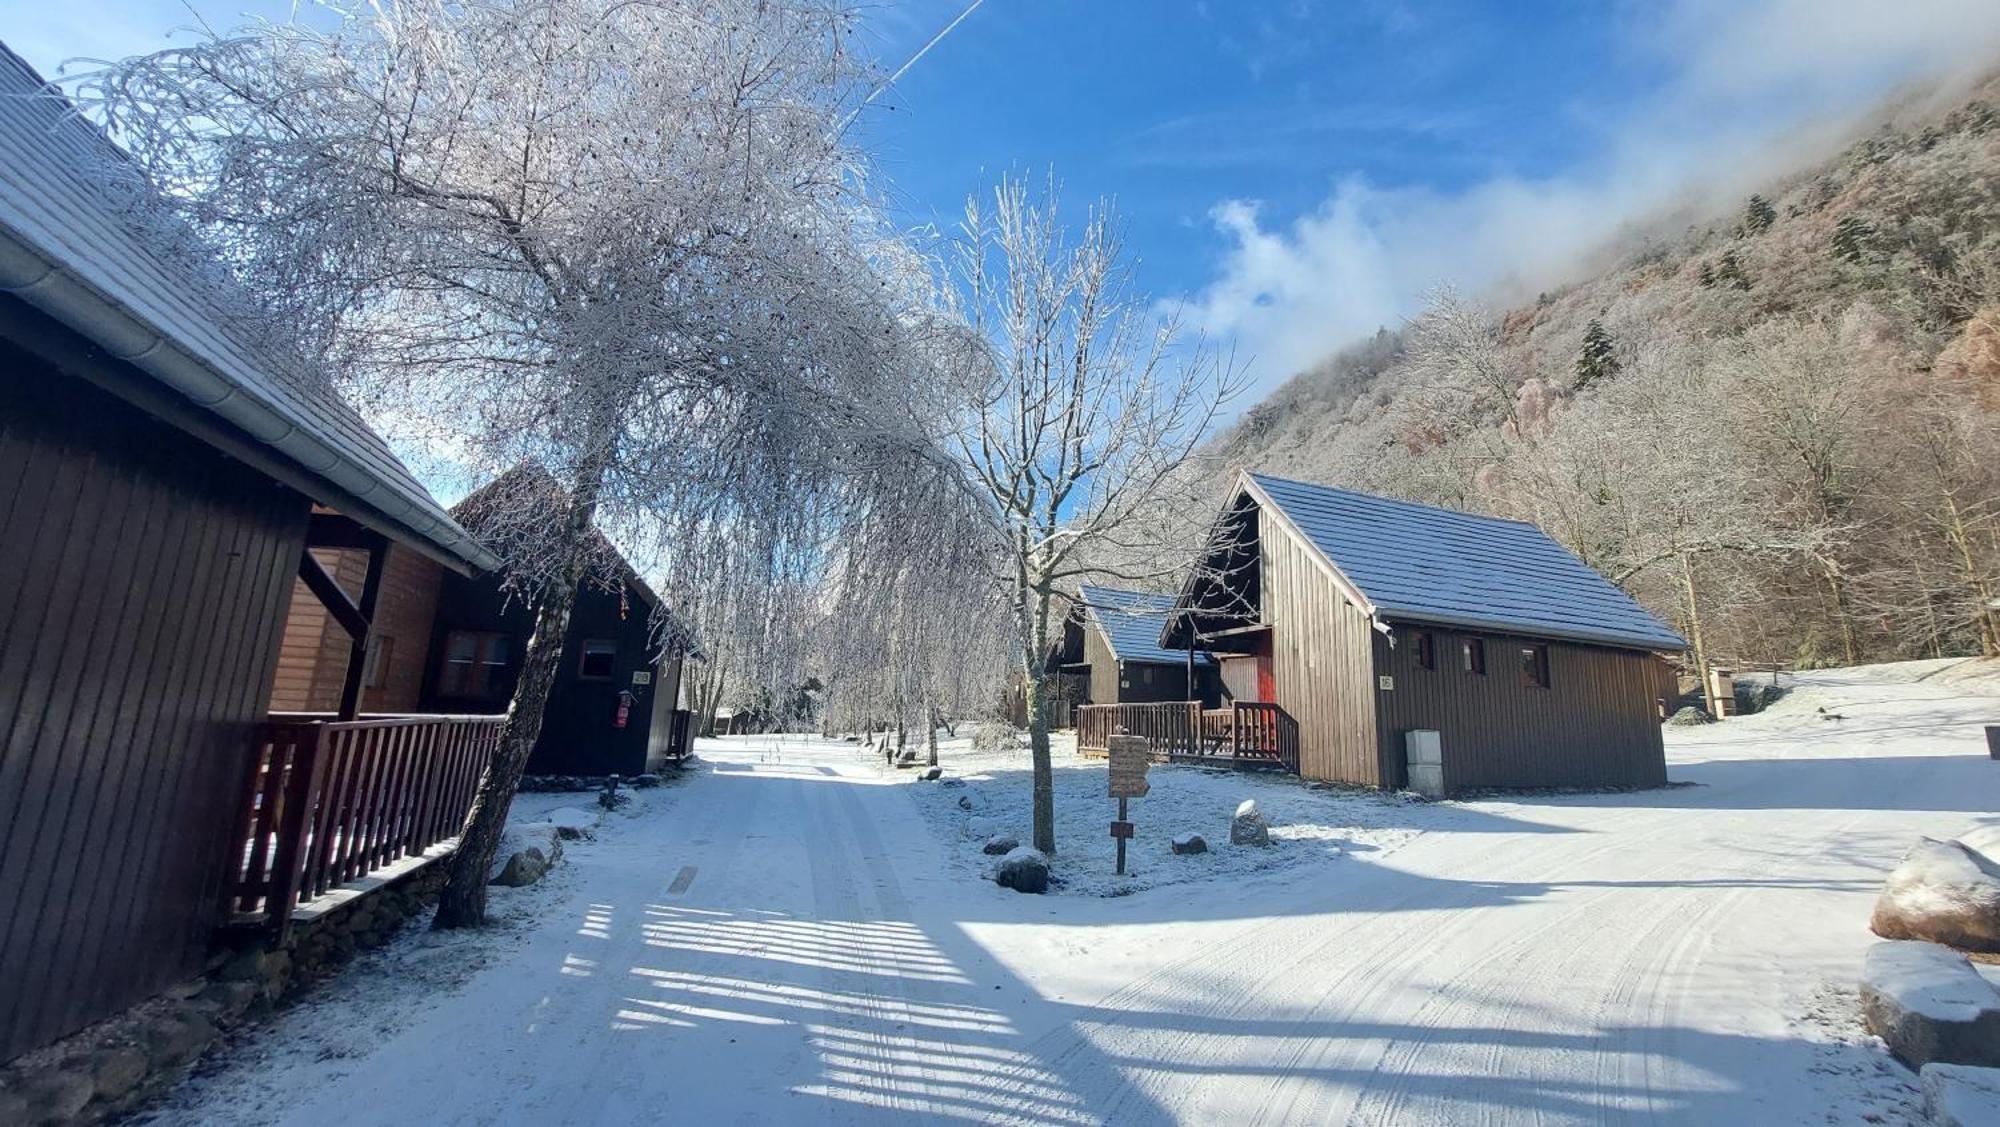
[[1246, 734], [328, 802]]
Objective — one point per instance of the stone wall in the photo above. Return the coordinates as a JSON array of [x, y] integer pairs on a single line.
[[124, 1063]]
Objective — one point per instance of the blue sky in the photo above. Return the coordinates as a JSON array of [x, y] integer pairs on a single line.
[[1298, 172]]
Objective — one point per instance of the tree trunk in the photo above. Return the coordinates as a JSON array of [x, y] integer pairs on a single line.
[[1834, 589], [930, 730], [1044, 767], [1694, 630], [1985, 618], [462, 903]]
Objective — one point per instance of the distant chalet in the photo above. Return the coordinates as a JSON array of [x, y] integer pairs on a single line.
[[1110, 651], [1367, 618]]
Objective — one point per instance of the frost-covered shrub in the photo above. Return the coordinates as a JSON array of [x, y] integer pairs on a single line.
[[995, 735]]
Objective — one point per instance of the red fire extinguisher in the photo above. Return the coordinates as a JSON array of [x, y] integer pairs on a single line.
[[625, 702]]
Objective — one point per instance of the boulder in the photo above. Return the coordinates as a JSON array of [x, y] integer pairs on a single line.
[[1961, 1095], [1024, 870], [1000, 846], [932, 774], [55, 1095], [1248, 826], [177, 1040], [906, 758], [1190, 843], [1928, 1004], [644, 782], [571, 824], [116, 1071], [526, 852], [1689, 716], [1942, 892]]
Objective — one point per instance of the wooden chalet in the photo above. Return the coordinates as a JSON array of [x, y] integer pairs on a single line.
[[1365, 620], [165, 476], [1111, 647]]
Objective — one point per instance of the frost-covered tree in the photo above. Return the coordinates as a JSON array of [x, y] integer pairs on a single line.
[[1758, 215], [1085, 407], [1598, 358], [620, 239]]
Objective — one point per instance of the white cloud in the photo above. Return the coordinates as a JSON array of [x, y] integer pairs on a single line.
[[1756, 87]]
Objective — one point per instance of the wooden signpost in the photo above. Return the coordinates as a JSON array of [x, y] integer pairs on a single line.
[[1129, 757]]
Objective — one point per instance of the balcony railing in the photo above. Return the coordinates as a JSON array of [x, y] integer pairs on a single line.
[[329, 802], [1244, 734]]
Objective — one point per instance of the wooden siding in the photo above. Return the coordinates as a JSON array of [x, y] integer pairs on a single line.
[[1321, 660], [1103, 668], [313, 659], [1596, 725], [143, 579]]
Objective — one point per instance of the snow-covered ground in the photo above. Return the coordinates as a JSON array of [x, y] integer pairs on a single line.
[[796, 934]]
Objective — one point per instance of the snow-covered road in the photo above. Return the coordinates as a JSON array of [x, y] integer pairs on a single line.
[[780, 943]]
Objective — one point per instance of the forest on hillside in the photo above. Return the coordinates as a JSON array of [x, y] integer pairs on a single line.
[[1780, 429]]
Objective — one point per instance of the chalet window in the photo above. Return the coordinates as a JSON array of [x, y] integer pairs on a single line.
[[1472, 655], [473, 663], [1535, 666], [1427, 657], [375, 666], [599, 655]]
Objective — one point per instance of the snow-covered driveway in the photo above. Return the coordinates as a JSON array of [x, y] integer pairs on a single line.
[[781, 944]]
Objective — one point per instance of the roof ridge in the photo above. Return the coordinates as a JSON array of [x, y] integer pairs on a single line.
[[1385, 498]]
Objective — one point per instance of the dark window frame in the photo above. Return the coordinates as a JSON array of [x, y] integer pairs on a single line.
[[1535, 665], [1426, 651], [1472, 656], [609, 652], [481, 674]]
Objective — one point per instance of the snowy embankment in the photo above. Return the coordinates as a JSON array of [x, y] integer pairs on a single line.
[[989, 793]]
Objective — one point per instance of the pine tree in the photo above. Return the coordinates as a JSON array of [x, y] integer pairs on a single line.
[[1758, 215], [1851, 235], [1599, 356], [1730, 270]]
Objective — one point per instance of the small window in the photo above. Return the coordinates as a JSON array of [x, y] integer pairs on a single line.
[[375, 666], [598, 658], [1427, 657], [474, 664], [1535, 666], [1472, 656]]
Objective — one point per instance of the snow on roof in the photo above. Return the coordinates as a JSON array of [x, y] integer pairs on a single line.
[[1423, 564], [69, 248], [1132, 622]]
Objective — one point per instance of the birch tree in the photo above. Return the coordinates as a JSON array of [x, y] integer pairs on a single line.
[[619, 239], [1085, 405]]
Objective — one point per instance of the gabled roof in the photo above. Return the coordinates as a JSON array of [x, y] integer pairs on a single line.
[[512, 508], [68, 248], [1417, 563], [1132, 622]]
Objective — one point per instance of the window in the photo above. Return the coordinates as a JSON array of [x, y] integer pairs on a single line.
[[375, 666], [474, 663], [1427, 657], [599, 656], [1472, 655], [1535, 666]]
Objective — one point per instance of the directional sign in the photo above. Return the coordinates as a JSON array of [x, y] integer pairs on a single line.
[[1130, 756]]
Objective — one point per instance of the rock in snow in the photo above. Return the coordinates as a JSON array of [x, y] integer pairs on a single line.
[[1000, 845], [932, 774], [1928, 1003], [571, 823], [526, 852], [1943, 892], [1249, 827], [1190, 843], [1960, 1095], [1024, 870]]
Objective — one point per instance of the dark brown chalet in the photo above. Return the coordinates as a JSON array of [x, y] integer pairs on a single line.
[[164, 478], [1419, 646], [1110, 652]]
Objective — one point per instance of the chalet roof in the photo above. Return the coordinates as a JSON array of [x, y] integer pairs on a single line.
[[495, 518], [73, 247], [1422, 564], [1132, 622]]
